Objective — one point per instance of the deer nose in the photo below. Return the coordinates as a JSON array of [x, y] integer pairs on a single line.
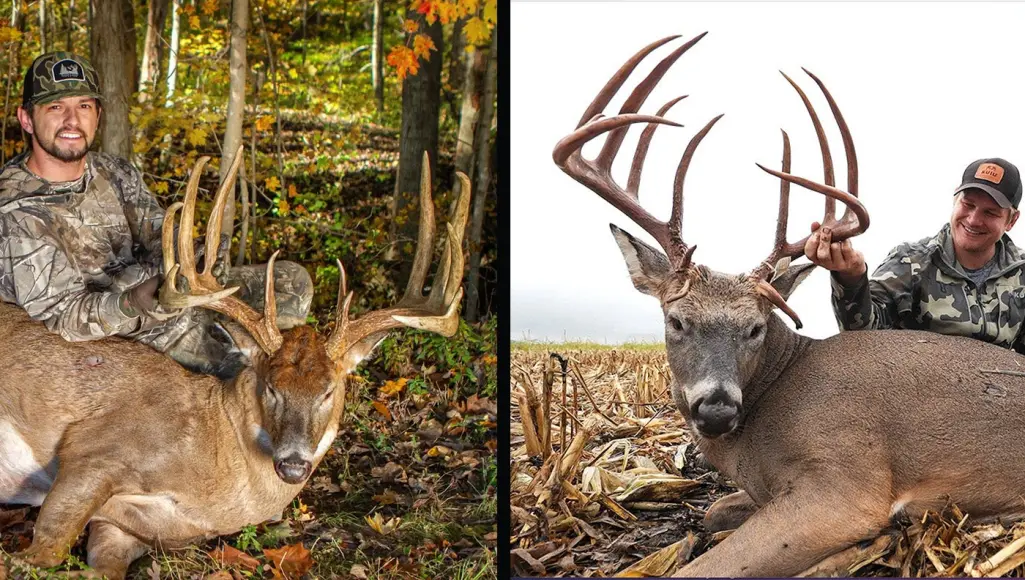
[[715, 414], [293, 469]]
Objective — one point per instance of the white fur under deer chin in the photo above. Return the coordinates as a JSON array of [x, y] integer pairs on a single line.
[[22, 478]]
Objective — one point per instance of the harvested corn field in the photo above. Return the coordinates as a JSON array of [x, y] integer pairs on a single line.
[[605, 481]]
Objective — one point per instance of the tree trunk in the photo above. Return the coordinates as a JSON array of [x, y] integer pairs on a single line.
[[476, 65], [42, 25], [236, 101], [13, 60], [149, 72], [377, 56], [113, 54], [172, 54], [421, 101], [70, 46], [482, 183]]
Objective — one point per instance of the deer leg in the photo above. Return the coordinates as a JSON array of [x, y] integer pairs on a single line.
[[111, 550], [793, 532], [728, 513], [73, 499]]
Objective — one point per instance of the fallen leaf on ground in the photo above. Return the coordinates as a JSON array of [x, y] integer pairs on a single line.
[[231, 556], [290, 562]]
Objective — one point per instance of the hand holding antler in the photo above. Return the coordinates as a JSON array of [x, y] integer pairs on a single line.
[[838, 257]]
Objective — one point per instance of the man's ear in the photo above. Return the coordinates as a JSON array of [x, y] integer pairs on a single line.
[[26, 120], [1014, 219], [648, 267], [787, 282]]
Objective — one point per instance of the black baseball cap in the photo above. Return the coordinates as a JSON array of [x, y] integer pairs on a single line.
[[56, 75], [997, 177]]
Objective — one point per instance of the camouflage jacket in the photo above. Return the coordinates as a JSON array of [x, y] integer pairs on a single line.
[[69, 250], [920, 286]]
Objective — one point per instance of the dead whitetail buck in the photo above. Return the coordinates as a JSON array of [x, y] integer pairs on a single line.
[[117, 435], [828, 439]]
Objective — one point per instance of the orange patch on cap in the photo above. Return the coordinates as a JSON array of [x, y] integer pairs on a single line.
[[990, 172]]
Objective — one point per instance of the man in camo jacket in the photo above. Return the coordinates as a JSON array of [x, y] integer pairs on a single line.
[[968, 280], [80, 246]]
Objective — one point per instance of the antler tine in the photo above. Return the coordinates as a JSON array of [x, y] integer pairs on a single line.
[[596, 174], [636, 99], [425, 240], [634, 182], [779, 245], [676, 217], [848, 143], [827, 157], [213, 226], [437, 312], [204, 290]]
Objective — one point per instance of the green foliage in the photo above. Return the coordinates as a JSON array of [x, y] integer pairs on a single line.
[[248, 538]]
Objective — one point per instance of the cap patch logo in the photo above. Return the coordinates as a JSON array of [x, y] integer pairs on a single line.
[[990, 172], [67, 70]]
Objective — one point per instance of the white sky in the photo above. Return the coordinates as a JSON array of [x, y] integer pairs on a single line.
[[926, 88]]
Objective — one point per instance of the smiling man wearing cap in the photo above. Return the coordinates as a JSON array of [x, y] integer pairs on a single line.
[[967, 280], [80, 244]]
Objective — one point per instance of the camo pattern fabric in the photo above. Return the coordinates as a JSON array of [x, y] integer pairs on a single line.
[[920, 286], [68, 251], [60, 74]]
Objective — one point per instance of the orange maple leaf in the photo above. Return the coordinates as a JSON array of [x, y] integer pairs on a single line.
[[290, 562], [403, 60], [382, 409], [410, 26], [422, 46], [428, 8]]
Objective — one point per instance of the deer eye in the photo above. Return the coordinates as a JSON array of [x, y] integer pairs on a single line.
[[756, 331], [679, 324]]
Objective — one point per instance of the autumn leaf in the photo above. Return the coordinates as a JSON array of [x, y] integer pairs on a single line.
[[476, 31], [382, 409], [447, 12], [291, 190], [196, 137], [402, 59], [290, 562], [209, 7], [491, 11], [283, 207], [160, 187], [428, 8], [220, 575], [231, 556], [410, 26], [193, 21], [272, 183], [422, 46], [467, 7], [264, 122], [392, 388], [377, 523]]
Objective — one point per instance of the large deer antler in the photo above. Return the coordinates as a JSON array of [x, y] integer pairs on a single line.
[[204, 290], [596, 174], [437, 312]]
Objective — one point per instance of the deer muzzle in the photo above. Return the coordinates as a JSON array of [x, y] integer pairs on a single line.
[[715, 414], [293, 469]]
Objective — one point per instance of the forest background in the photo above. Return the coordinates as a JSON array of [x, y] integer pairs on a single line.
[[335, 102]]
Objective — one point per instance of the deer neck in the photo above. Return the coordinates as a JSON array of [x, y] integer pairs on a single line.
[[782, 347]]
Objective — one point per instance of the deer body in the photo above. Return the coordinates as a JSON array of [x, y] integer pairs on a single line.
[[861, 428], [114, 434], [829, 440]]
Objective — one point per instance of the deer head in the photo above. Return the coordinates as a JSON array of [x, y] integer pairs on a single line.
[[716, 324], [299, 378]]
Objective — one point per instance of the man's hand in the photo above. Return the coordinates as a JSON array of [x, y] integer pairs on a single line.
[[838, 257], [142, 299]]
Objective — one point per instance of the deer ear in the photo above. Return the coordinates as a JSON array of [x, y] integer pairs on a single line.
[[787, 282], [360, 351], [648, 266]]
